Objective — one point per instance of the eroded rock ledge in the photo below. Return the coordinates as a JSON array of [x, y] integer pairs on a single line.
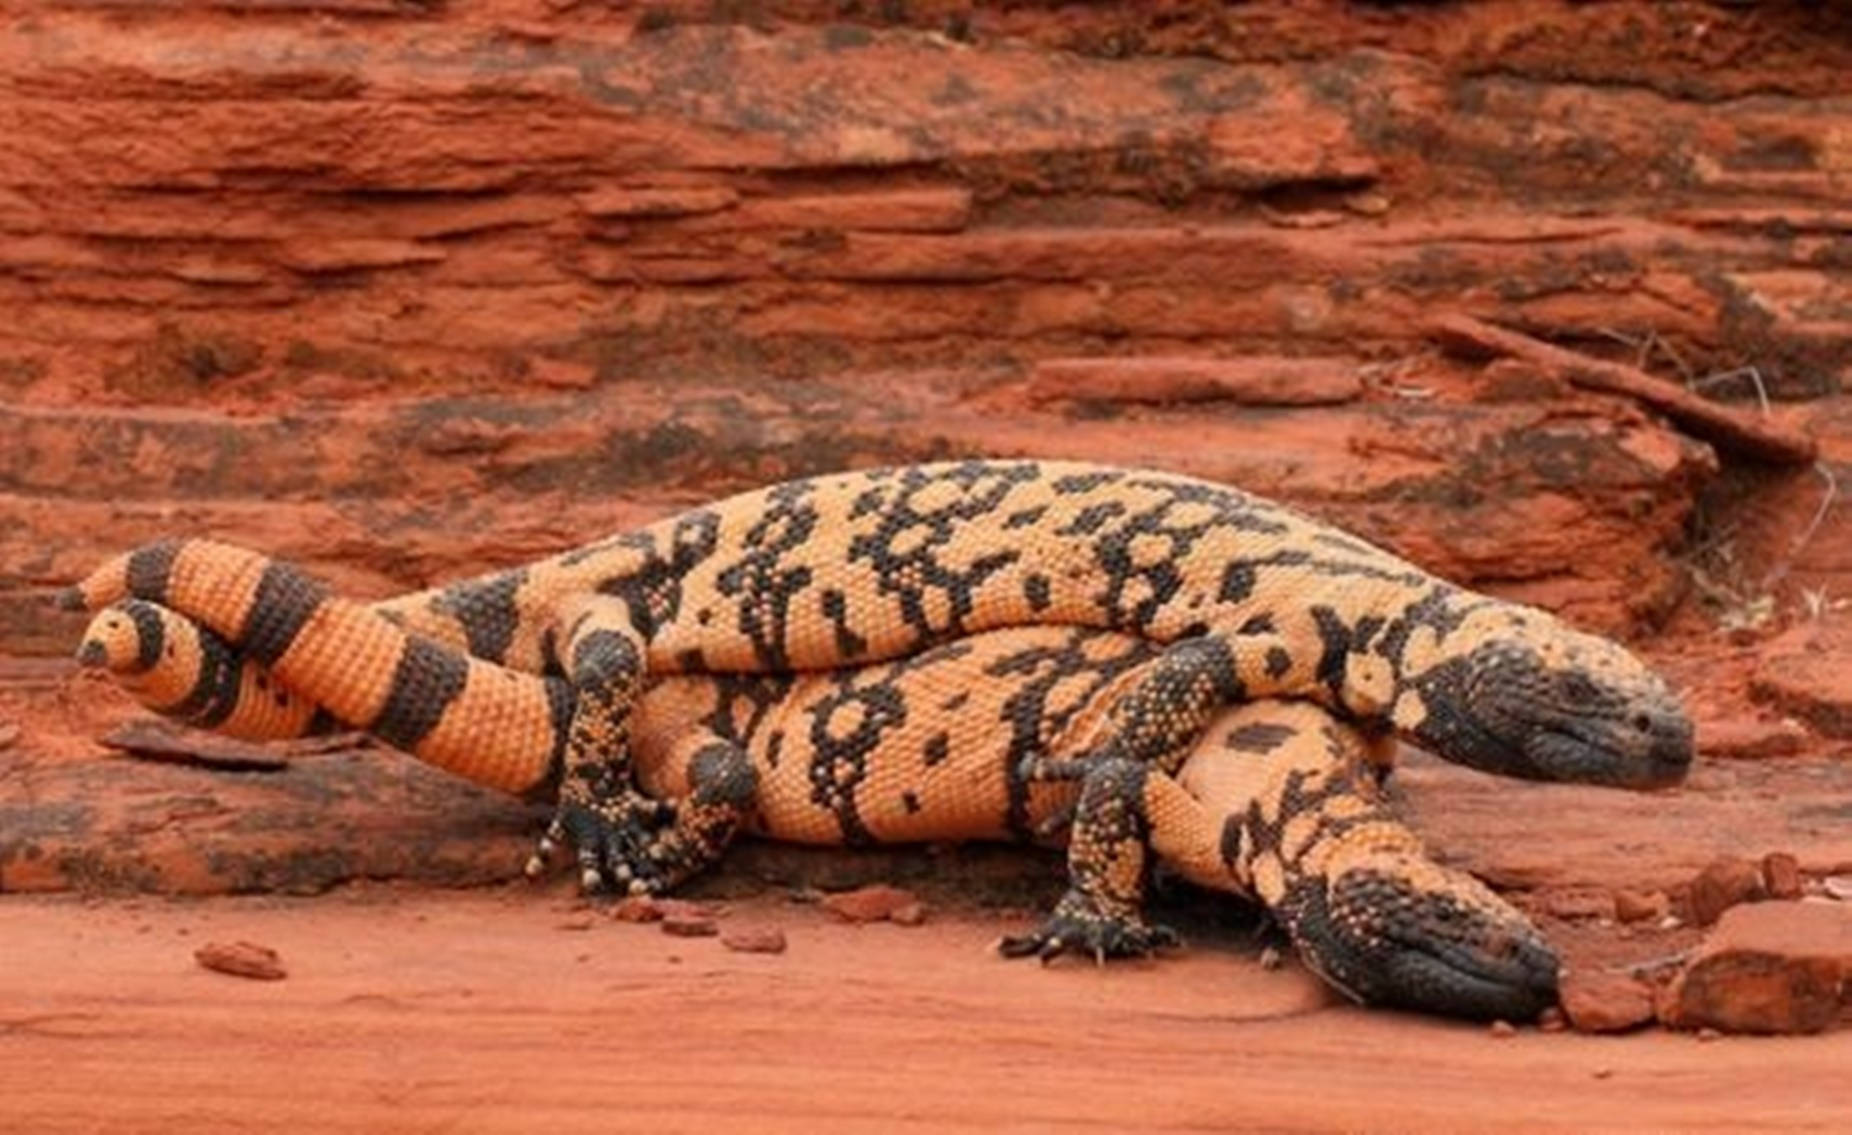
[[410, 289]]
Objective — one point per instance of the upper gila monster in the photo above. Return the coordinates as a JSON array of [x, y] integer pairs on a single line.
[[1252, 598]]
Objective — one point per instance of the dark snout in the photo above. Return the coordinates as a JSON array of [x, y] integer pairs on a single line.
[[1504, 711], [1447, 948], [1669, 743]]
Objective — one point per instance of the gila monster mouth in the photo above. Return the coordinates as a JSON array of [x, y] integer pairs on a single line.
[[1565, 753], [1597, 763], [1421, 980], [1383, 940]]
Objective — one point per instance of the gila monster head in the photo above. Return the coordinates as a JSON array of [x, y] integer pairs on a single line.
[[1399, 931], [1516, 692]]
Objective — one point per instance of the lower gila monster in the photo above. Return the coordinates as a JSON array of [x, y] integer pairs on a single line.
[[1250, 599], [1269, 802]]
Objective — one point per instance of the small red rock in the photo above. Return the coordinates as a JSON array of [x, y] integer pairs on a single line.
[[755, 940], [9, 733], [1781, 875], [868, 904], [912, 914], [1551, 1020], [1723, 884], [1838, 887], [1503, 1029], [576, 922], [683, 926], [1766, 968], [1597, 1002], [1641, 906], [637, 908], [241, 959]]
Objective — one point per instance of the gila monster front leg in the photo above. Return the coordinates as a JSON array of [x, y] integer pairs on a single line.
[[1168, 706], [600, 813], [623, 838], [1122, 805]]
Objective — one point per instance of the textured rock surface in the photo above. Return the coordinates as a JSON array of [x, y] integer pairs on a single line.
[[1778, 967], [1808, 672], [364, 281]]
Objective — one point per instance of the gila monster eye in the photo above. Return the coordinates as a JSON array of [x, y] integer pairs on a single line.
[[1642, 723]]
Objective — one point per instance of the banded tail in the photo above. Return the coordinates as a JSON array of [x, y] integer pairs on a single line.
[[498, 727]]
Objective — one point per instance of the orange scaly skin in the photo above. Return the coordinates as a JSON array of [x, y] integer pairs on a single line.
[[1251, 598], [928, 749]]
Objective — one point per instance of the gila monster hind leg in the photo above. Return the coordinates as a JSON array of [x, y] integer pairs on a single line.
[[1169, 705], [600, 811], [723, 791], [1126, 809]]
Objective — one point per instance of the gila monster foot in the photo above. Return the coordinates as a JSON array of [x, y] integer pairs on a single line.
[[1083, 925], [612, 840]]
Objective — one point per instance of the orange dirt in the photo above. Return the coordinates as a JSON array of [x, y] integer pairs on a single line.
[[496, 1012]]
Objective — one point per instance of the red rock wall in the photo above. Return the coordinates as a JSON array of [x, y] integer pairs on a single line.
[[408, 288]]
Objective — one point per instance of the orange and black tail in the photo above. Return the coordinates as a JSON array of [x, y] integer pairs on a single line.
[[495, 726]]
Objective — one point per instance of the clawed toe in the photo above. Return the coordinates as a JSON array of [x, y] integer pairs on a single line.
[[1080, 926], [621, 845]]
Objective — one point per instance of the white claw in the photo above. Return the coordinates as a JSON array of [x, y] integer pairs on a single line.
[[536, 867]]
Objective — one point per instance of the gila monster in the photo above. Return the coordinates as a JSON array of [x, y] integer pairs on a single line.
[[928, 748], [1251, 598]]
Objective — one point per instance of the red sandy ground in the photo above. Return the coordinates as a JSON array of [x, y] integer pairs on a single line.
[[489, 1012]]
